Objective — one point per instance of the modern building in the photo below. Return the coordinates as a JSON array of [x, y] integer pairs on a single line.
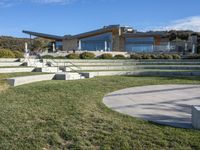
[[116, 38]]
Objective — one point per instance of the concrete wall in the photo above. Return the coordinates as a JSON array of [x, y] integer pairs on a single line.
[[196, 117], [69, 45]]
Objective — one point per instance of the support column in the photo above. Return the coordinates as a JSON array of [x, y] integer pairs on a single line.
[[54, 47], [105, 46], [186, 47], [169, 46], [193, 48], [79, 45], [26, 47]]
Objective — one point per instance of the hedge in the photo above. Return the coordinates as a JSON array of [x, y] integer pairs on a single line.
[[155, 56], [47, 57], [5, 53], [18, 54], [119, 56], [87, 55], [106, 56], [73, 56]]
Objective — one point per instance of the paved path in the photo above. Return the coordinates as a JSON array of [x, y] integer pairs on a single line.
[[163, 104]]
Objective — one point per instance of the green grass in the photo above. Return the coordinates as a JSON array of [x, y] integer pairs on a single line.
[[71, 115], [142, 70], [18, 74]]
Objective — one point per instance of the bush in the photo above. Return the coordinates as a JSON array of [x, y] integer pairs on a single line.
[[165, 56], [146, 56], [119, 56], [195, 56], [73, 56], [176, 56], [153, 56], [87, 55], [136, 56], [60, 57], [18, 54], [4, 53], [47, 57], [107, 56]]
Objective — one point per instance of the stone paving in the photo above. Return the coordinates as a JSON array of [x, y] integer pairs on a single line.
[[162, 104]]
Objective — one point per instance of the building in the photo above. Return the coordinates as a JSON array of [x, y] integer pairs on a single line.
[[116, 38]]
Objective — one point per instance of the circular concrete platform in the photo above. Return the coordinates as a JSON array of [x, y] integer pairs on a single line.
[[163, 104]]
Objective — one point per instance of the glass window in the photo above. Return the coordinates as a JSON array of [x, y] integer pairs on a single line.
[[59, 45], [97, 43], [139, 47], [139, 44]]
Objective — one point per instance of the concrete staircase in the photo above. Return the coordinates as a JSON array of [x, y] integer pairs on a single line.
[[80, 69]]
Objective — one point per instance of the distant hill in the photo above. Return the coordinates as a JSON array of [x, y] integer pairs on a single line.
[[13, 43]]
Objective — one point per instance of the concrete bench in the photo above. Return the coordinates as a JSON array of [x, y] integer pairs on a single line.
[[196, 117], [29, 79]]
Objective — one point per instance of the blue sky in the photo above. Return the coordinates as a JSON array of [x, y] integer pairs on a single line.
[[75, 16]]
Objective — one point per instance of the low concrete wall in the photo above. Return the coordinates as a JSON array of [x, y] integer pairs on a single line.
[[97, 53], [13, 70], [9, 59], [196, 117], [145, 73], [29, 79], [11, 64], [136, 67]]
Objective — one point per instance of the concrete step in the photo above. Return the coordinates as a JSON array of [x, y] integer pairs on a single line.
[[133, 67], [119, 60], [11, 64], [48, 69], [68, 76], [13, 70], [146, 73], [29, 79], [9, 59]]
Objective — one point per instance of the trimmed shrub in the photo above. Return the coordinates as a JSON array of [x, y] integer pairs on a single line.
[[47, 57], [165, 56], [195, 56], [107, 56], [4, 53], [87, 55], [120, 56], [18, 54], [136, 56], [73, 56], [146, 56], [153, 56], [60, 57], [176, 56]]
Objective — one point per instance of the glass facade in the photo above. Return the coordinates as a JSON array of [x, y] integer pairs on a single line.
[[140, 44], [101, 42], [59, 45]]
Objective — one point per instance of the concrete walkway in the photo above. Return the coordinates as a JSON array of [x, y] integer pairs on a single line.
[[163, 104]]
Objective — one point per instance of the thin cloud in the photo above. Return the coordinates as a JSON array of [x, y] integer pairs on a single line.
[[63, 2], [9, 3], [189, 23]]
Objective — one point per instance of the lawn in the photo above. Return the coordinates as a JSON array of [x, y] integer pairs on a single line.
[[71, 115]]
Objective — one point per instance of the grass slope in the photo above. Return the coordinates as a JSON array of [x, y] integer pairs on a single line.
[[71, 115]]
